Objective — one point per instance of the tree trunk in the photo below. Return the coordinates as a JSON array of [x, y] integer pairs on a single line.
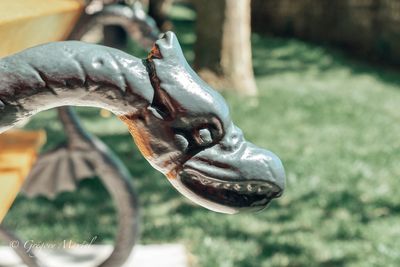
[[158, 10], [223, 47]]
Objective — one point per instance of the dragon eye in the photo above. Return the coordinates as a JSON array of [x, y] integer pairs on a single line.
[[204, 137]]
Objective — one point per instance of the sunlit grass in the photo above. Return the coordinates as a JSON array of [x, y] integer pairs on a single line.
[[332, 120]]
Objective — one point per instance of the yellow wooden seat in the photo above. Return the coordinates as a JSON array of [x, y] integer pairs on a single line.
[[17, 155], [28, 23], [25, 24]]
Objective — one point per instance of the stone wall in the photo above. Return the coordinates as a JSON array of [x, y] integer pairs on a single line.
[[368, 27]]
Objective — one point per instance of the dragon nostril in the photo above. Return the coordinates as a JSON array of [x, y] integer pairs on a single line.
[[231, 143]]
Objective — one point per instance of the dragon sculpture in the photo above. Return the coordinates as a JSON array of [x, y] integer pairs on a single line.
[[180, 124]]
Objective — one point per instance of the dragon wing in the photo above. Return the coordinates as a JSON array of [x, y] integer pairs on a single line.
[[57, 171]]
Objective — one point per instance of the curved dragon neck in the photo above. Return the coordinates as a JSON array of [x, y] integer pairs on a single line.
[[71, 73]]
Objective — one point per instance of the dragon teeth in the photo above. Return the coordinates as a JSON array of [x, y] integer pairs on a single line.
[[251, 187], [239, 187]]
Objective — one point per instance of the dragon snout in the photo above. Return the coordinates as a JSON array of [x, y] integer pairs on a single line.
[[246, 179]]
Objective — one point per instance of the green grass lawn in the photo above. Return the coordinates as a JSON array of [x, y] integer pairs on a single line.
[[335, 124]]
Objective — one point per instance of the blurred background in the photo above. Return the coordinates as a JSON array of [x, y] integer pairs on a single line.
[[315, 81]]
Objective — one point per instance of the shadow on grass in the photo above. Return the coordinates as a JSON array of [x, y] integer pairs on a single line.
[[272, 55]]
